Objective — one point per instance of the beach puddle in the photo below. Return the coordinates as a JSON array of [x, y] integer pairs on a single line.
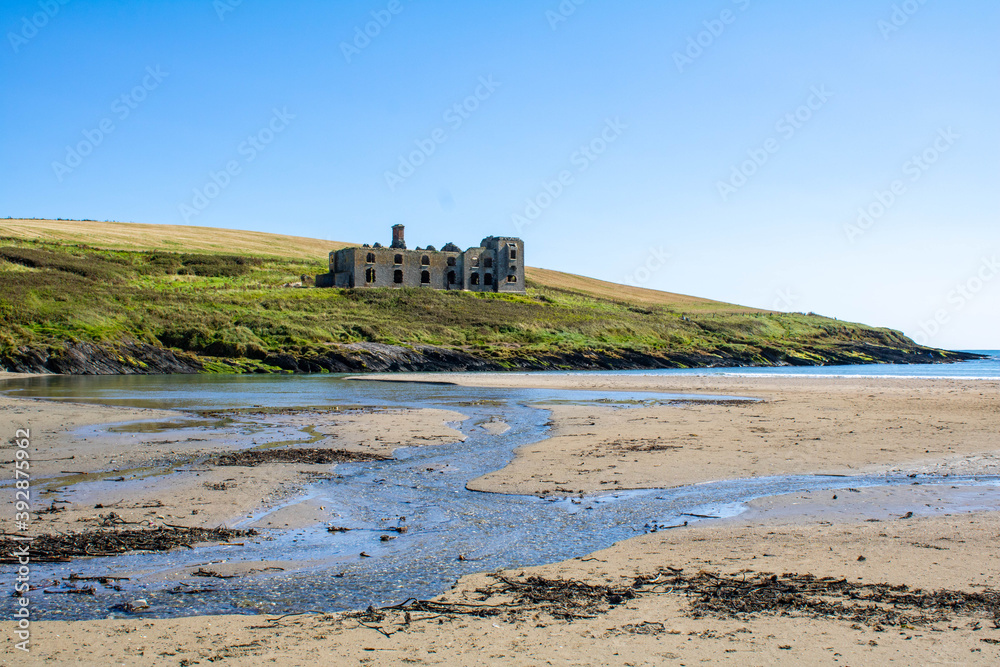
[[170, 425], [49, 485]]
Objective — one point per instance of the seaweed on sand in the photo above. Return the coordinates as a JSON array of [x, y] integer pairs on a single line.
[[64, 547], [255, 457], [722, 596]]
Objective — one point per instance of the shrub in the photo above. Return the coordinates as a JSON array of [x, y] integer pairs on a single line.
[[93, 267], [218, 266]]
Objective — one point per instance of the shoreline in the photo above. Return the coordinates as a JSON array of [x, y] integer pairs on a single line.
[[954, 430], [626, 450], [142, 467], [133, 358]]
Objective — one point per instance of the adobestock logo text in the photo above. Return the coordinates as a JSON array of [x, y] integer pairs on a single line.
[[964, 293], [122, 108], [249, 150], [787, 126], [30, 25]]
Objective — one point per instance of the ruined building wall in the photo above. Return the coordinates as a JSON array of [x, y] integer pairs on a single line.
[[496, 266]]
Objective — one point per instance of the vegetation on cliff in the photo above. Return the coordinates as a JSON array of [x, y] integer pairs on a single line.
[[225, 312]]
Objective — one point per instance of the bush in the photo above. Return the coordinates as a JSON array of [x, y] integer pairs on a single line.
[[93, 267], [235, 342], [217, 266]]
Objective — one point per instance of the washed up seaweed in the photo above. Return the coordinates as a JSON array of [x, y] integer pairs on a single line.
[[874, 605], [513, 598], [255, 457], [64, 547], [735, 596]]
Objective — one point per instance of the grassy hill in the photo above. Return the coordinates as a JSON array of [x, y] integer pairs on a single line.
[[124, 295], [185, 239], [169, 238]]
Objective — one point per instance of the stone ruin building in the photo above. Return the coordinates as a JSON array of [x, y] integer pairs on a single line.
[[497, 265]]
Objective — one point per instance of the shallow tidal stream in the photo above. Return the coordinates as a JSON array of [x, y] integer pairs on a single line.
[[426, 485]]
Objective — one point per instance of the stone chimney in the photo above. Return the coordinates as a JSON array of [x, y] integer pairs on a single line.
[[397, 237]]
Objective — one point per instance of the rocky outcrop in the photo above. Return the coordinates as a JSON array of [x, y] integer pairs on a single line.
[[381, 358], [98, 359], [141, 358]]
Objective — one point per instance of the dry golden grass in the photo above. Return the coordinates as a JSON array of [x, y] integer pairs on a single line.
[[178, 238], [639, 295], [174, 238]]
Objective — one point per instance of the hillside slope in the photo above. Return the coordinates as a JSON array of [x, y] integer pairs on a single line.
[[177, 238], [84, 297], [169, 238]]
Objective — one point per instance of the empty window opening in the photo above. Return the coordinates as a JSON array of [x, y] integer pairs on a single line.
[[513, 252], [425, 277], [488, 263], [475, 261], [451, 261], [474, 279], [369, 275], [451, 278], [488, 279], [371, 258], [512, 278], [398, 259], [397, 277]]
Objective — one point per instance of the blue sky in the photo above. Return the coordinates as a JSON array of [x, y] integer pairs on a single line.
[[725, 149]]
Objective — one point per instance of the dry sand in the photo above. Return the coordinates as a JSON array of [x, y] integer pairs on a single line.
[[803, 425]]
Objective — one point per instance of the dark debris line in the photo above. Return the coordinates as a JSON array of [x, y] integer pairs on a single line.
[[736, 596], [62, 548], [255, 457], [806, 595]]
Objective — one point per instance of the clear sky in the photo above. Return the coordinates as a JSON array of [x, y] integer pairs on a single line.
[[836, 157]]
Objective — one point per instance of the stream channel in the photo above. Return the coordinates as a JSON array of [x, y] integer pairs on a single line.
[[442, 517]]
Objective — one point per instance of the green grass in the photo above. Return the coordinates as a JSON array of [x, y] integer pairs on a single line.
[[233, 310]]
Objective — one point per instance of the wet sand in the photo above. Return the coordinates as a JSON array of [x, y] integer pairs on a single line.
[[830, 425], [802, 425], [156, 474]]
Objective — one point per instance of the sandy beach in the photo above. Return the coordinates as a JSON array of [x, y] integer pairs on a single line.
[[921, 536], [146, 474], [801, 425]]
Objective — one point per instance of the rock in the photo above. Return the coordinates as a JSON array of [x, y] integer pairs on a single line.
[[129, 358], [136, 605], [136, 358]]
